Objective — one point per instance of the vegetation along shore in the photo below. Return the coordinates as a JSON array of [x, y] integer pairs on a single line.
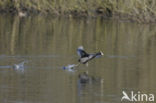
[[135, 10]]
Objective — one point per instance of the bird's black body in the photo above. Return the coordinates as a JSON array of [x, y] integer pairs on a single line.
[[85, 57]]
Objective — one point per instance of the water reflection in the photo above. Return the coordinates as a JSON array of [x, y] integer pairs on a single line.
[[50, 43], [90, 86]]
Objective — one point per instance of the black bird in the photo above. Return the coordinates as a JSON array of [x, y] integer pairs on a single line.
[[85, 57]]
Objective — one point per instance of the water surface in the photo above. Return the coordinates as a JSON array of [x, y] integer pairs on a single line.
[[49, 43]]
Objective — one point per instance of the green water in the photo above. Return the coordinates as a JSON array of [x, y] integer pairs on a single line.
[[48, 44]]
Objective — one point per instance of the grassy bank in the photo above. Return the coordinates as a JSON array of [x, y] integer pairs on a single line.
[[138, 10]]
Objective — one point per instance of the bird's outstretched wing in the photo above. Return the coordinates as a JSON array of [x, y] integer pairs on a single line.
[[81, 52]]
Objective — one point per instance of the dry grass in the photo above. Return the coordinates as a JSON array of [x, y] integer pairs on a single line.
[[140, 10]]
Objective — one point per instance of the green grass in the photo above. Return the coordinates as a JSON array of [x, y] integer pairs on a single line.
[[139, 10]]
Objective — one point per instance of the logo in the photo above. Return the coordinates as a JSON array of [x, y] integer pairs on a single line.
[[137, 96]]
